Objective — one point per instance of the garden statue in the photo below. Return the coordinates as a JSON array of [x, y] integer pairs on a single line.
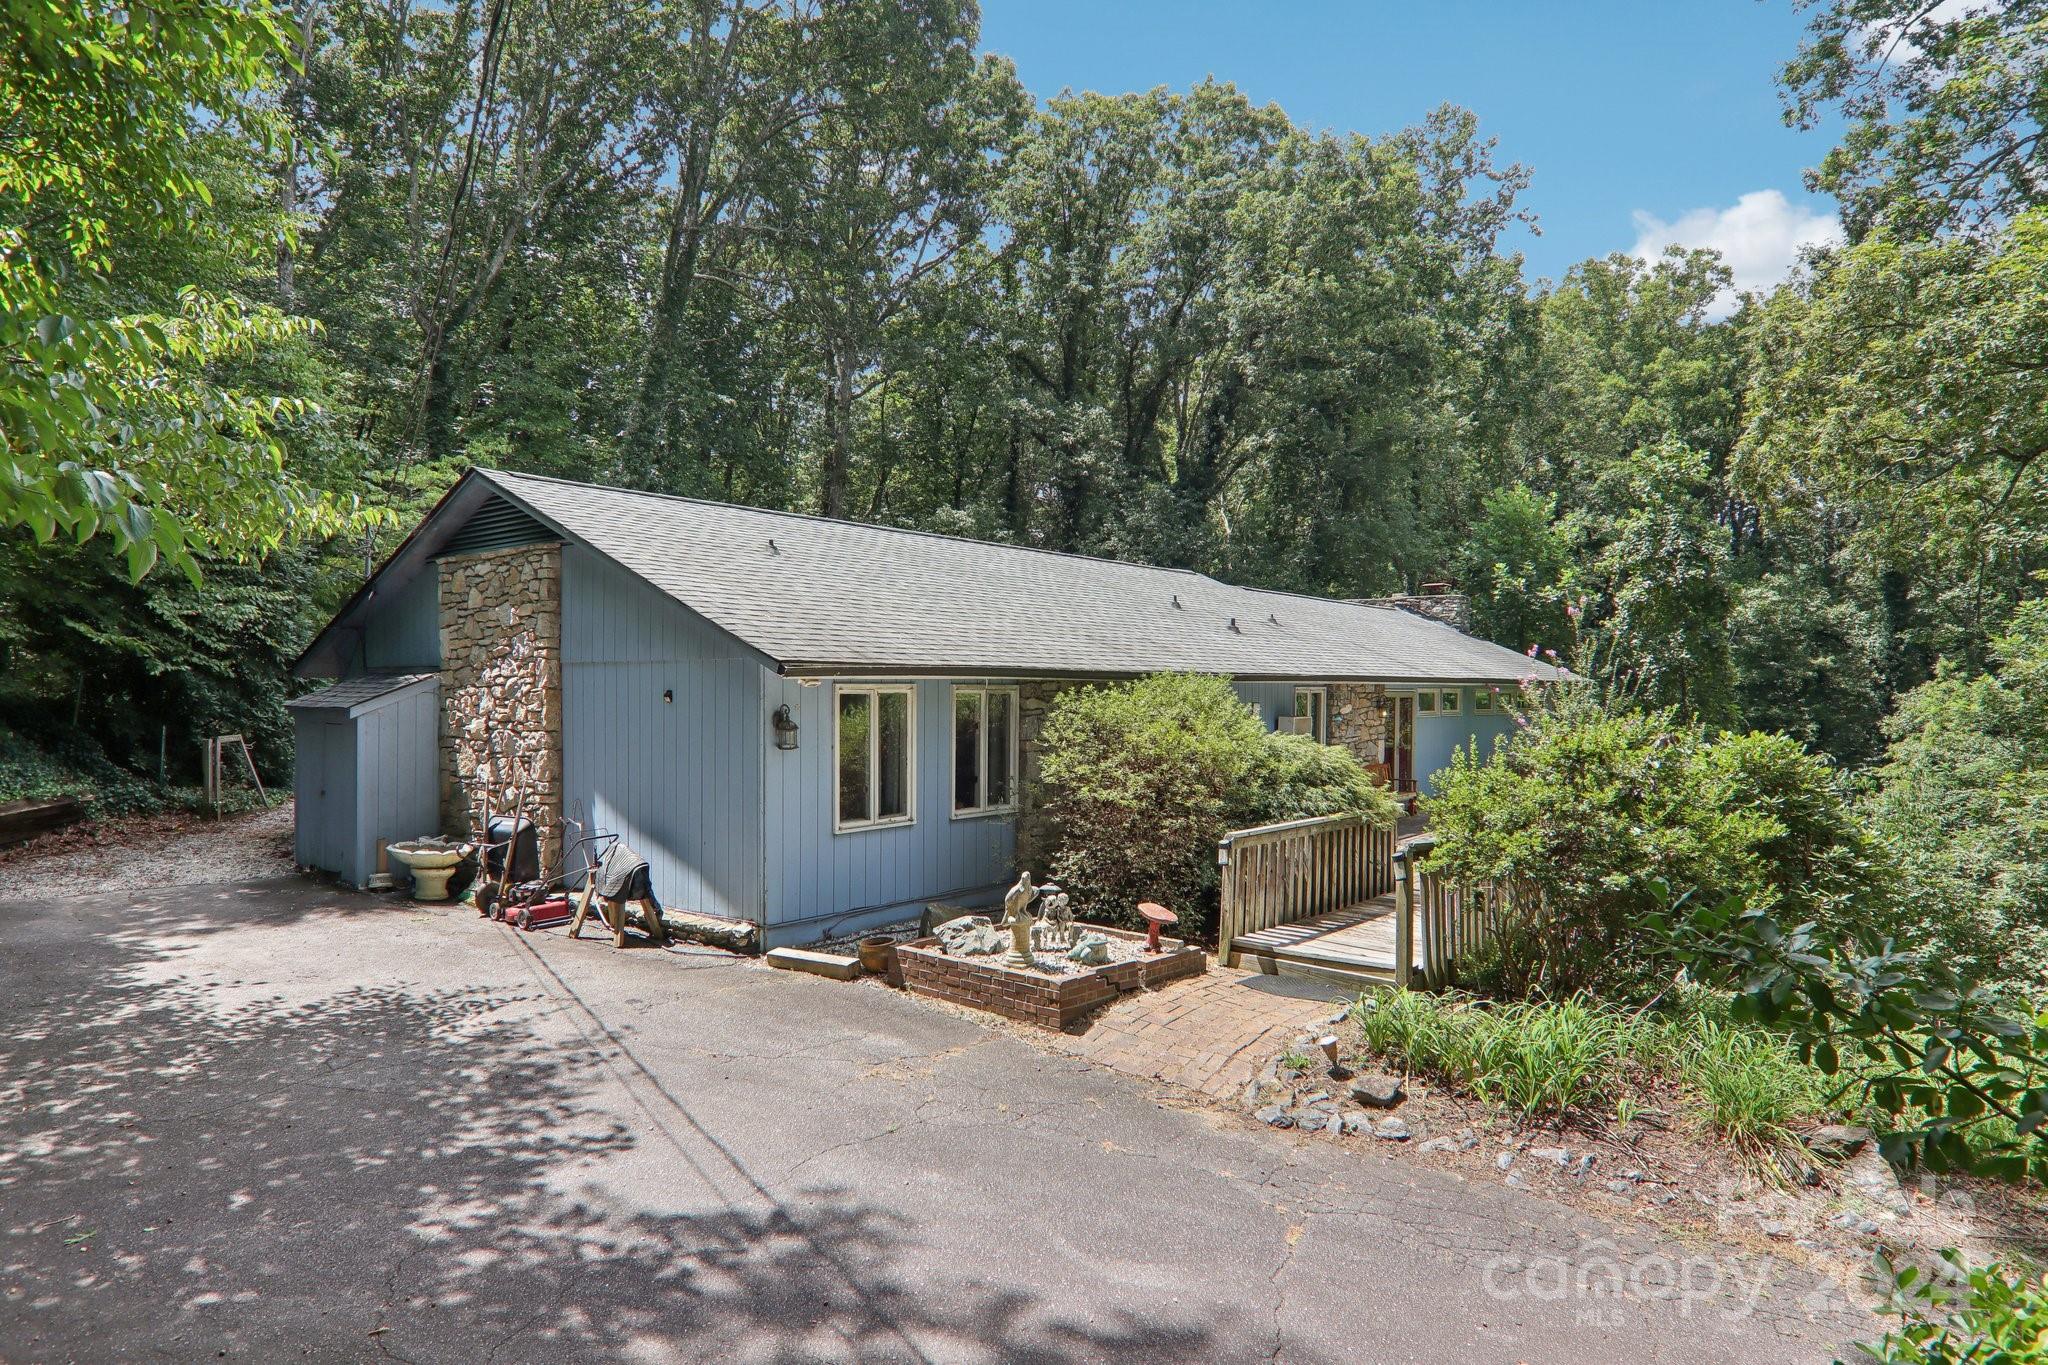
[[1017, 919], [1055, 918], [1091, 951]]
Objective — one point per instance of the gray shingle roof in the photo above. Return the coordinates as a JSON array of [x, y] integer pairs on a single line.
[[819, 596], [355, 692]]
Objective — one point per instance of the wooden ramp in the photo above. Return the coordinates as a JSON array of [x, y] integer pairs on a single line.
[[1353, 946]]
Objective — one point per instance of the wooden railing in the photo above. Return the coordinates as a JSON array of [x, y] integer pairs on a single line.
[[1278, 874], [1442, 921]]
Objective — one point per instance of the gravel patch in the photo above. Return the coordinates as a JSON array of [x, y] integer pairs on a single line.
[[150, 852]]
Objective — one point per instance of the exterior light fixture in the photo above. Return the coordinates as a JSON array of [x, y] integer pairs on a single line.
[[785, 727]]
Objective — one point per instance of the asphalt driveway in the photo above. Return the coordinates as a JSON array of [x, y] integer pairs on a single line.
[[281, 1122]]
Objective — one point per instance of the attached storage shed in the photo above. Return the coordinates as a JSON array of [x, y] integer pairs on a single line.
[[366, 769]]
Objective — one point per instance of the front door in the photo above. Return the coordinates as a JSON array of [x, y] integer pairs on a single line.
[[1401, 743]]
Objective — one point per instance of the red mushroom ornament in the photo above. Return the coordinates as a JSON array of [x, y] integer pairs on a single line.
[[1155, 915]]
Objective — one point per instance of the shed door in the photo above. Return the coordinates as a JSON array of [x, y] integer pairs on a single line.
[[332, 793]]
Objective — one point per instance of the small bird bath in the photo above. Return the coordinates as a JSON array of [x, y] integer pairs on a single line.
[[432, 862]]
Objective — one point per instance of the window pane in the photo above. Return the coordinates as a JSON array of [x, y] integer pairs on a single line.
[[892, 785], [1301, 702], [966, 748], [1000, 726], [854, 712]]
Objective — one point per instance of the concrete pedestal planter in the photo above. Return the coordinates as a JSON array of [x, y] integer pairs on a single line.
[[1051, 1001]]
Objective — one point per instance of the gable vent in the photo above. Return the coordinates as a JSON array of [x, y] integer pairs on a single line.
[[497, 525]]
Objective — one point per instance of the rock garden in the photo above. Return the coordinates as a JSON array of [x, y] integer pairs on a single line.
[[1042, 969], [1653, 1147]]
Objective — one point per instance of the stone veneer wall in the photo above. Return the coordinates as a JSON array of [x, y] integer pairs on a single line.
[[501, 689], [1034, 829], [1358, 719]]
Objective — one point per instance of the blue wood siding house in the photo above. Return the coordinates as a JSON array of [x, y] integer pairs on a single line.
[[810, 724]]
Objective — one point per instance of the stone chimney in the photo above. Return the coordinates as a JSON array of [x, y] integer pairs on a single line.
[[1436, 601]]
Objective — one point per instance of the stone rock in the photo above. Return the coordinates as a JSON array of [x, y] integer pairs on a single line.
[[1090, 950], [1354, 1124], [1854, 1222], [1391, 1130], [1316, 1097], [1276, 1115], [1311, 1118], [1662, 1197], [1503, 1161], [1583, 1165], [1621, 1187], [733, 935], [1376, 1091], [1837, 1141], [1439, 1144], [1870, 1175], [1632, 1174], [973, 936], [1556, 1156], [1513, 1180]]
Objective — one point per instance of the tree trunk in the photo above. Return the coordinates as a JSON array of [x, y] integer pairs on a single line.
[[839, 430]]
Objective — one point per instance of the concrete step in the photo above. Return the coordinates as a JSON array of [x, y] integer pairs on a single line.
[[818, 964]]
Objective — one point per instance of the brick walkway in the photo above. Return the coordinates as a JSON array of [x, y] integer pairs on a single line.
[[1208, 1033]]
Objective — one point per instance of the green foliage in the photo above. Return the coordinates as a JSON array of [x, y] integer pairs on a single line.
[[1903, 381], [1548, 1058], [1809, 662], [107, 674], [79, 769], [1962, 802], [111, 420], [1942, 106], [1593, 810], [1142, 779], [1519, 573], [1958, 1314], [1938, 1059], [1754, 1087]]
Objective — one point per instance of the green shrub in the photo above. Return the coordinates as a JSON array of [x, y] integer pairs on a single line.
[[1600, 811], [1995, 1314], [1141, 779]]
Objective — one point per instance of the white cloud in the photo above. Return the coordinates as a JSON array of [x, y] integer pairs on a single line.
[[1758, 236]]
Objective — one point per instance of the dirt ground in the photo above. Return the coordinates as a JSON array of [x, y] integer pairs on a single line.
[[147, 852]]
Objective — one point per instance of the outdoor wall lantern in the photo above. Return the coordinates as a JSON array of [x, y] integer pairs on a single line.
[[785, 727]]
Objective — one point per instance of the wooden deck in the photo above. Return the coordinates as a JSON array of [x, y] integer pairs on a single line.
[[1353, 946]]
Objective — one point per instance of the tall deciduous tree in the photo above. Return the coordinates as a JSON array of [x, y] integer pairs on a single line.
[[113, 119]]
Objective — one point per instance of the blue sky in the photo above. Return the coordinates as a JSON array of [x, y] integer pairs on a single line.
[[1642, 122]]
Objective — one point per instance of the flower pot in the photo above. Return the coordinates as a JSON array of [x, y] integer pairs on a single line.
[[876, 952]]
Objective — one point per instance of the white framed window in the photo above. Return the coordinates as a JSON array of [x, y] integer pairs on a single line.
[[1312, 713], [1452, 697], [1482, 700], [984, 750], [1425, 703], [874, 746]]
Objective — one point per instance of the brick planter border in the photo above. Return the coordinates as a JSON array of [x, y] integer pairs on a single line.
[[985, 984]]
